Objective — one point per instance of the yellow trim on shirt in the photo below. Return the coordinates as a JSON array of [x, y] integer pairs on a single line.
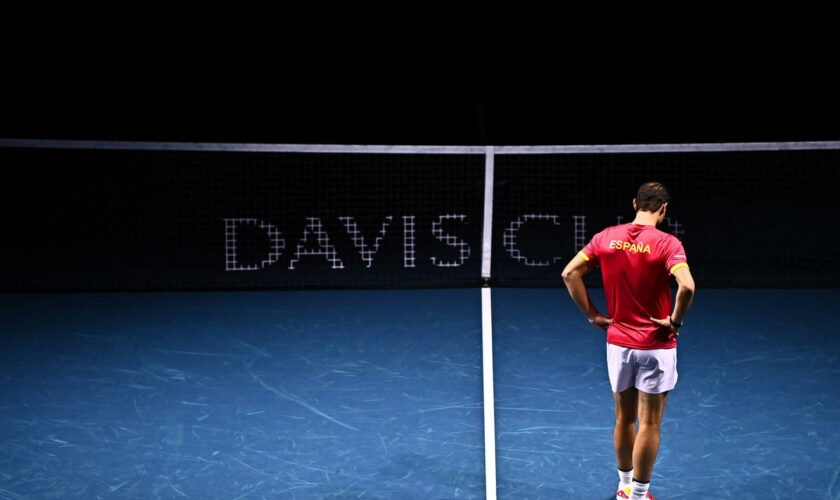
[[677, 266], [582, 254]]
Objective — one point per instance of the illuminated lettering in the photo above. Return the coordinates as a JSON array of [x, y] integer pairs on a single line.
[[231, 259], [366, 252], [580, 231], [322, 244], [511, 234], [246, 250], [676, 227], [408, 241], [453, 241]]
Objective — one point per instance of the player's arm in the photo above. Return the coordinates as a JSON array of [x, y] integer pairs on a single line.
[[685, 294], [573, 278]]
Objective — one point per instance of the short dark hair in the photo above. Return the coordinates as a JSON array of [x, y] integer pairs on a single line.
[[651, 196]]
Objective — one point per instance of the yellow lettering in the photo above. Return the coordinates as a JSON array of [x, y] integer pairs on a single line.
[[627, 246]]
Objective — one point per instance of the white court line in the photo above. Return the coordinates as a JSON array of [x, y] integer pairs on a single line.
[[489, 401]]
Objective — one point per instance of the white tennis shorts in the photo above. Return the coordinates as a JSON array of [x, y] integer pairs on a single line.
[[649, 370]]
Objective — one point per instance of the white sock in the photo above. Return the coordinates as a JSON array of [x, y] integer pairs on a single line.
[[639, 490], [625, 478]]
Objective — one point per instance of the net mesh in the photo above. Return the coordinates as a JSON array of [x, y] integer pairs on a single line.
[[162, 219], [132, 219], [760, 218]]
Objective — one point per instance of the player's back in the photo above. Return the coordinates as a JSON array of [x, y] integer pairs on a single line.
[[636, 261]]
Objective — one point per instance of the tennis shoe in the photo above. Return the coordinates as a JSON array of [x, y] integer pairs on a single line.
[[624, 493]]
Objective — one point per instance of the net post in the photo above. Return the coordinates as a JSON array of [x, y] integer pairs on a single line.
[[487, 332]]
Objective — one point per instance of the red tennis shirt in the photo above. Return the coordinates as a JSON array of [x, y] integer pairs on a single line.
[[636, 263]]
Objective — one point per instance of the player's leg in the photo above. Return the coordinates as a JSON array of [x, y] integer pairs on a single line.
[[622, 374], [624, 435], [656, 375], [651, 408]]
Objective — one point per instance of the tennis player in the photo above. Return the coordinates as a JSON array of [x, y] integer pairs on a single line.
[[636, 262]]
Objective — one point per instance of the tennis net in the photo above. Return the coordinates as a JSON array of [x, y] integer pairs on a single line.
[[186, 216]]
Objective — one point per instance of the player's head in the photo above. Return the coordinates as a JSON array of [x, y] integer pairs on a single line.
[[652, 197]]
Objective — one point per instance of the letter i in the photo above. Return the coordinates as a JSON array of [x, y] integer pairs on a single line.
[[408, 241], [580, 231]]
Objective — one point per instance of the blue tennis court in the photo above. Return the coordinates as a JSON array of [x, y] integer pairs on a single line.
[[378, 394], [753, 414]]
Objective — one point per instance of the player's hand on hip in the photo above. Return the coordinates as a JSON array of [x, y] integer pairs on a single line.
[[666, 324], [600, 321]]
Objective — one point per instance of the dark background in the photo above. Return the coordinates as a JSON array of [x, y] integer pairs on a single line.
[[208, 73]]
